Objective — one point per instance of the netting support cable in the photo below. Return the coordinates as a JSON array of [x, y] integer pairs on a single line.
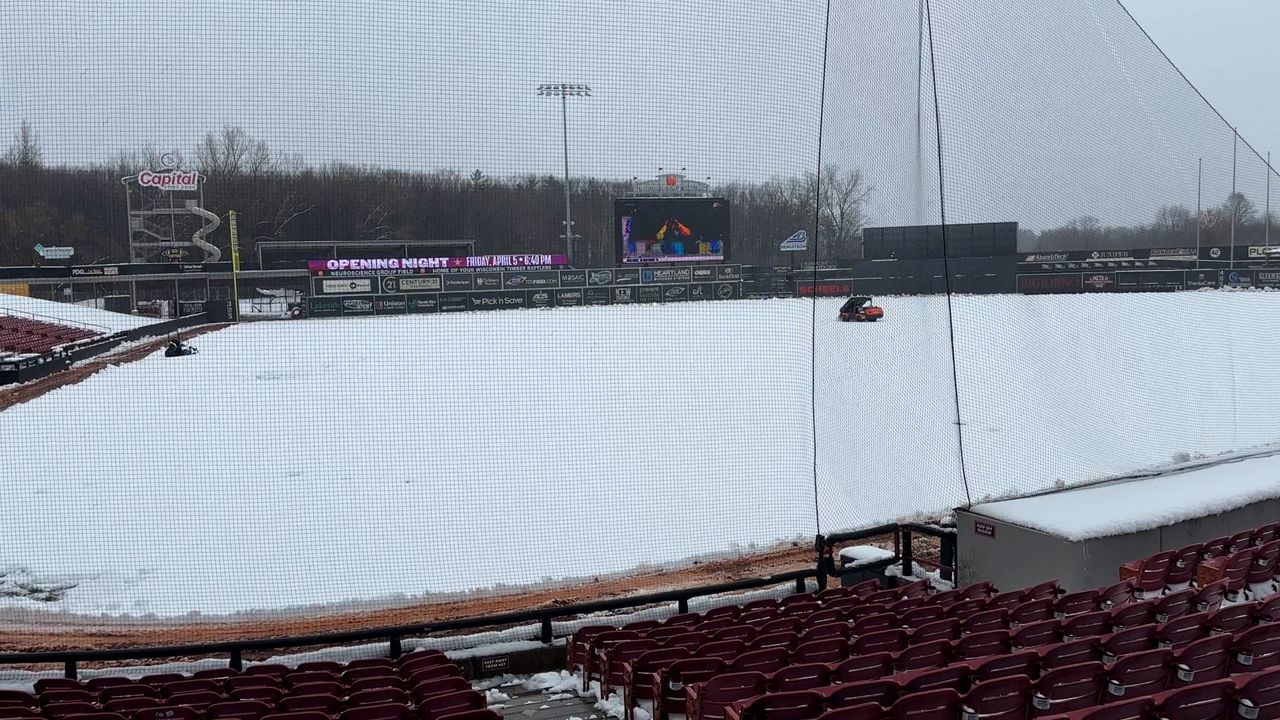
[[946, 254], [1187, 80], [813, 306], [919, 196]]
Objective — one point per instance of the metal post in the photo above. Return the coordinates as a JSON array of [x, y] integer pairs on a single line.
[[1235, 143], [237, 660], [908, 556], [948, 549], [546, 636], [1199, 191], [69, 669], [394, 649], [568, 216], [1267, 220], [682, 605]]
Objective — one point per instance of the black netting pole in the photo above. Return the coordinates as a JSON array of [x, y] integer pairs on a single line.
[[813, 304], [946, 253]]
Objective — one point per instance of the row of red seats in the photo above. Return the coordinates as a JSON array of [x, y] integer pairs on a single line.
[[417, 680], [351, 679], [920, 618], [1078, 692], [1241, 560], [436, 707], [1198, 652], [1124, 676], [616, 653], [1128, 664]]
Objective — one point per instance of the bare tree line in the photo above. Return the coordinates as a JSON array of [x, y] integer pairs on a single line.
[[1173, 226], [280, 197]]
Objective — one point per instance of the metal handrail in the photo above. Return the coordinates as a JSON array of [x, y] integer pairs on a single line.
[[393, 635]]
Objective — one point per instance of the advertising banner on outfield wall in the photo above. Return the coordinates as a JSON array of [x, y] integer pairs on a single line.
[[1197, 279], [1238, 278], [1266, 278], [1051, 283], [1099, 282], [431, 264], [424, 303], [569, 298]]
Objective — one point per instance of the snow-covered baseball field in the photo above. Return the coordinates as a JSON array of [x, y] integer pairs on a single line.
[[351, 460]]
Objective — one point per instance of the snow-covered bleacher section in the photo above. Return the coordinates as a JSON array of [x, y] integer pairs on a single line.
[[89, 318]]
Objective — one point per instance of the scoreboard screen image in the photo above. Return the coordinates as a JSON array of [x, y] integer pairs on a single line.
[[671, 230]]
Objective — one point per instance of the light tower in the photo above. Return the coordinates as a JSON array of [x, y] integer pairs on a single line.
[[564, 91]]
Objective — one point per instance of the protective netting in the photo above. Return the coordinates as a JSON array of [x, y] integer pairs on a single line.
[[990, 174]]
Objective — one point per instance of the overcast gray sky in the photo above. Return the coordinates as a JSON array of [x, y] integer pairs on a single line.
[[1050, 109]]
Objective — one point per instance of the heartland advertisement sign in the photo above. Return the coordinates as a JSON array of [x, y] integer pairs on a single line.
[[170, 180], [435, 263]]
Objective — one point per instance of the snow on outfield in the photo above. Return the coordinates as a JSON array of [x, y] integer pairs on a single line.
[[334, 461], [1105, 510], [51, 311]]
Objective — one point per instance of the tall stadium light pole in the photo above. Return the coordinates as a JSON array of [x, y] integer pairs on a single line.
[[1267, 221], [565, 91]]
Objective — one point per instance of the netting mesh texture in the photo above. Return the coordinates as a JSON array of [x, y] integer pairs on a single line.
[[397, 459]]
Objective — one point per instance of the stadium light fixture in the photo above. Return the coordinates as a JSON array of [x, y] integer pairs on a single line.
[[564, 91]]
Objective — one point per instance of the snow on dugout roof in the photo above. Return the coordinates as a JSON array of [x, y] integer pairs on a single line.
[[1142, 504], [51, 311]]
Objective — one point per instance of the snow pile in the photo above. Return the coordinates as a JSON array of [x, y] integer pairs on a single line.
[[382, 460], [1128, 507], [555, 682], [72, 313], [858, 555]]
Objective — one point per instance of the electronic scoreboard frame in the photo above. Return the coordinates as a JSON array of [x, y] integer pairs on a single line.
[[671, 230]]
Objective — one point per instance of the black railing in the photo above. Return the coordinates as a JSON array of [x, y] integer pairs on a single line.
[[544, 617]]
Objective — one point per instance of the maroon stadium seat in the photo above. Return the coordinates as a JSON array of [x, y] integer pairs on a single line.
[[440, 705], [1182, 630], [767, 660], [986, 621], [1006, 698], [1257, 648], [1036, 634], [883, 692], [932, 705], [638, 674], [1025, 663], [983, 644], [1064, 689], [708, 700], [1144, 673], [1259, 698], [923, 656], [799, 705], [831, 650], [863, 666], [865, 711], [1075, 652], [378, 696], [1203, 661], [800, 677], [246, 709], [955, 677], [1091, 624], [1208, 701], [669, 684], [385, 711]]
